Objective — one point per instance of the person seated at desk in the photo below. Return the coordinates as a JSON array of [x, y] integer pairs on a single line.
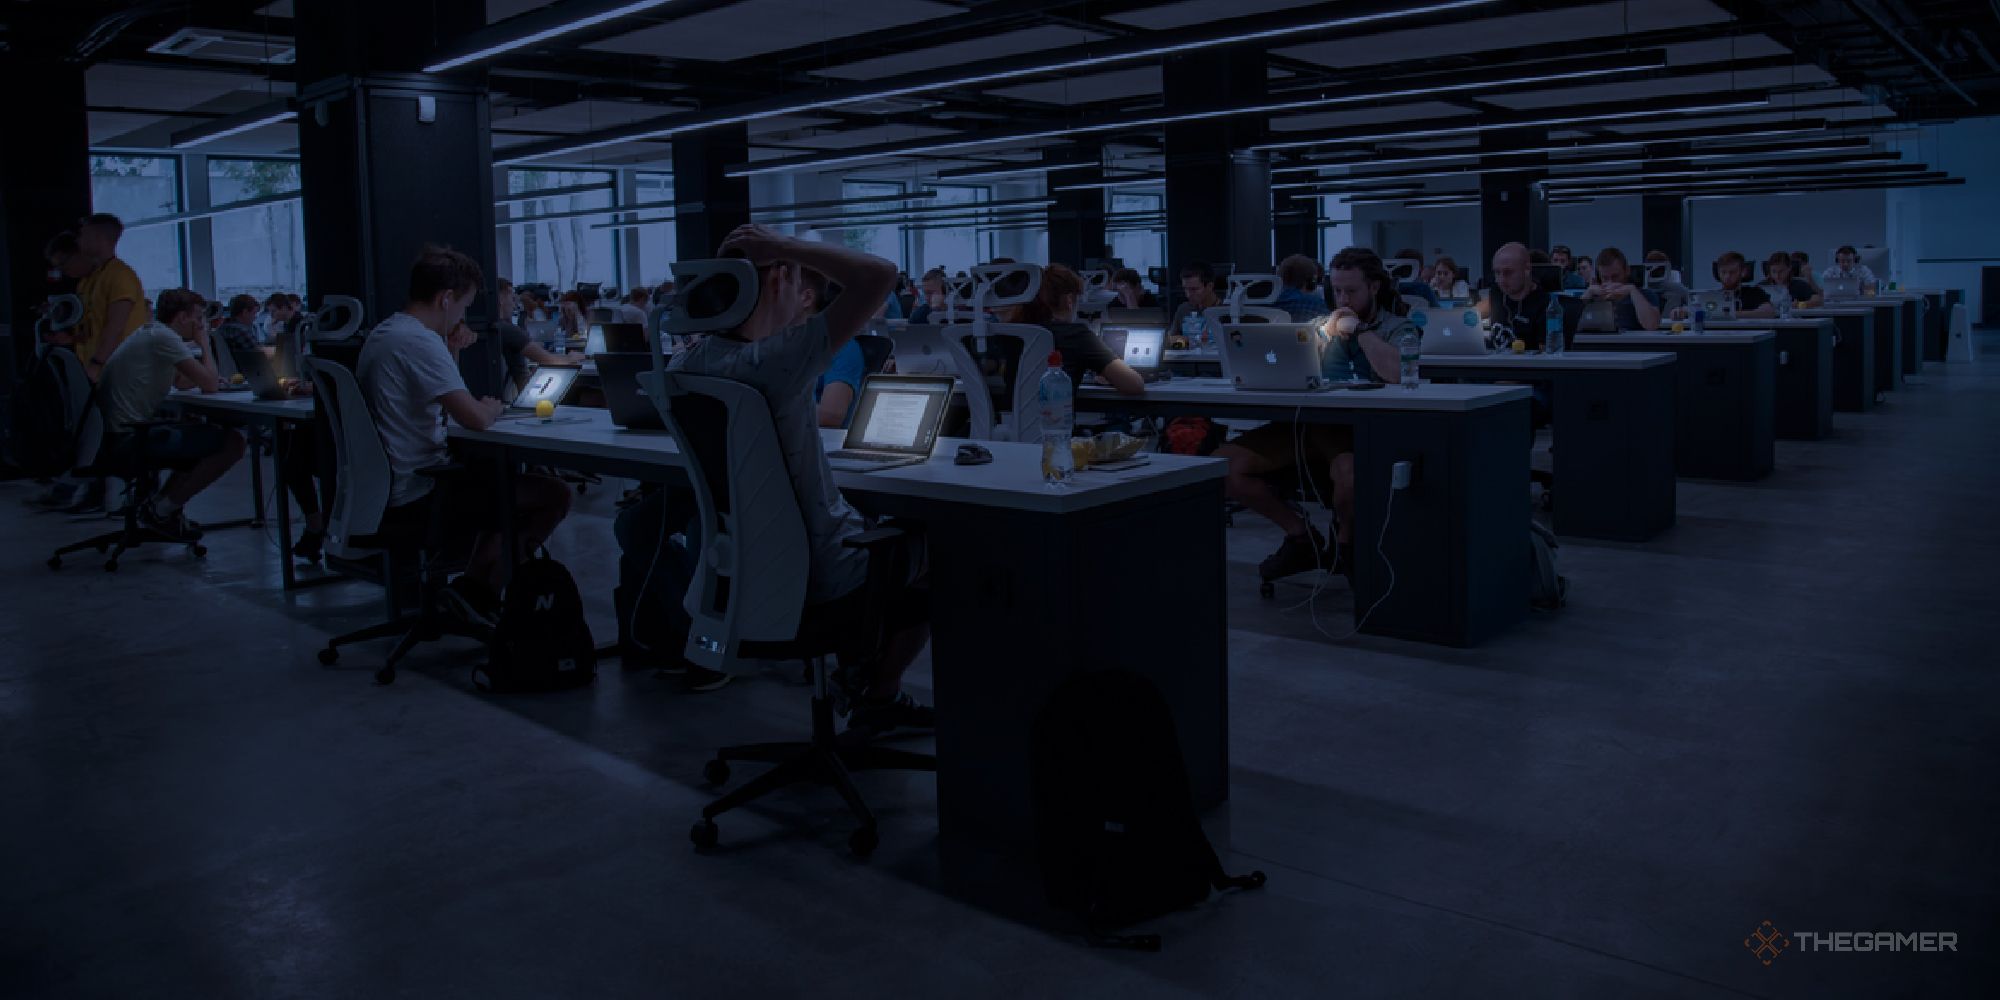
[[1364, 292], [1131, 292], [1847, 265], [173, 351], [1416, 285], [517, 349], [408, 373], [1515, 305], [1751, 302], [1802, 268], [779, 351], [1783, 284], [1083, 352], [1188, 322], [933, 298], [1299, 275], [1445, 282], [238, 330], [281, 315], [298, 442], [1562, 257], [1635, 306]]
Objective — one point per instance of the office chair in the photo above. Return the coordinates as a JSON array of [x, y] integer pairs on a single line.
[[124, 455], [876, 350], [950, 350], [356, 539], [748, 596]]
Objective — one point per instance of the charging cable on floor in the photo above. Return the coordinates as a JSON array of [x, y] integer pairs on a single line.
[[1400, 475]]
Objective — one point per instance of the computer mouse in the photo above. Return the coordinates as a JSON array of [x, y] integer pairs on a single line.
[[973, 454]]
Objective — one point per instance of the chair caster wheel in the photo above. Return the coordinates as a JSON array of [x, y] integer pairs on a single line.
[[863, 841], [385, 676], [704, 835], [111, 565], [1267, 590], [198, 550], [55, 562], [329, 656], [715, 772]]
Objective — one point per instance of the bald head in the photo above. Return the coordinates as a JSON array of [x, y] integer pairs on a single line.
[[1511, 271]]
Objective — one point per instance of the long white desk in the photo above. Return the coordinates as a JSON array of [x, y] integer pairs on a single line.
[[1612, 414], [1028, 586], [1459, 560]]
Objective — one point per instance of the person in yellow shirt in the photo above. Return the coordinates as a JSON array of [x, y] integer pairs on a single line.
[[113, 298]]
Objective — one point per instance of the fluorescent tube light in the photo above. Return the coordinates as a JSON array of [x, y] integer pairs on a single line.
[[1607, 116], [623, 10], [223, 128]]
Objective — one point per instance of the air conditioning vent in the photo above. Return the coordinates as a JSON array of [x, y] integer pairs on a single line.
[[226, 46]]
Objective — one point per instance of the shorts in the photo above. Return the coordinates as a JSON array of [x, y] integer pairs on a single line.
[[182, 446], [1282, 444], [475, 505]]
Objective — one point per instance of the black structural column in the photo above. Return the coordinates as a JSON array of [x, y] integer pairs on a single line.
[[44, 177], [391, 159], [1076, 220], [1512, 209], [709, 204], [1664, 225], [1218, 198], [1297, 226]]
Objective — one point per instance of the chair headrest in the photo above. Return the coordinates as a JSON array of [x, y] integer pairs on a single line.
[[1258, 289], [711, 295], [1007, 284], [1095, 279], [338, 318], [65, 311]]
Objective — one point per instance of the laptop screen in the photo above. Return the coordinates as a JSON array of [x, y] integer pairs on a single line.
[[1142, 346], [593, 345], [899, 413], [551, 384]]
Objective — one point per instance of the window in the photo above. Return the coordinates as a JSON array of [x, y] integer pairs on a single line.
[[137, 188], [657, 240], [262, 249], [1336, 226], [956, 246], [1140, 242], [561, 252], [882, 241]]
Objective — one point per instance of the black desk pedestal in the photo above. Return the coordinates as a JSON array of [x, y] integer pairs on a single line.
[[1805, 382], [1853, 362], [1724, 409]]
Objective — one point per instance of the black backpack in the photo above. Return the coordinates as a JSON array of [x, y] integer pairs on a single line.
[[542, 642], [1115, 826], [41, 438]]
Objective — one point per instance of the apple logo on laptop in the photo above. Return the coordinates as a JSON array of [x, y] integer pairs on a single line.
[[1270, 357]]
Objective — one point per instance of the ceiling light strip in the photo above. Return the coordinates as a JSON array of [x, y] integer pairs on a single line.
[[543, 35]]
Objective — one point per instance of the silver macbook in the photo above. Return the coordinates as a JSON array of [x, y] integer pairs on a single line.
[[896, 422], [1841, 288], [1454, 337], [1272, 356]]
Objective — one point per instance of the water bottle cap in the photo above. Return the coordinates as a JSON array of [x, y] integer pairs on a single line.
[[1055, 359]]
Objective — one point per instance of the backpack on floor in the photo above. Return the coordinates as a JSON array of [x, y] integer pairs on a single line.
[[1115, 827], [1550, 589], [542, 642]]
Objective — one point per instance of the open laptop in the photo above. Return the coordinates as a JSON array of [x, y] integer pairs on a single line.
[[1841, 288], [618, 375], [895, 423], [1460, 337], [1140, 347], [1600, 316], [547, 382], [615, 338], [1271, 356]]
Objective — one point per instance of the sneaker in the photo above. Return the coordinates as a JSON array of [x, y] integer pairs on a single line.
[[900, 712], [700, 678], [58, 496], [309, 546], [471, 601], [174, 527], [1297, 554]]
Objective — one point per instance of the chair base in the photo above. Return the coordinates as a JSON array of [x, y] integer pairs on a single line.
[[828, 758], [116, 543]]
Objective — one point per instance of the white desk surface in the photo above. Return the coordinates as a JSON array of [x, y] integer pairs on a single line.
[[1432, 398], [1570, 360], [1806, 323], [1013, 481], [1847, 307], [242, 401], [1676, 339]]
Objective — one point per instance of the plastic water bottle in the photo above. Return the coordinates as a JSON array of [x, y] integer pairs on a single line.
[[1410, 345], [1700, 318], [1552, 320], [1056, 396]]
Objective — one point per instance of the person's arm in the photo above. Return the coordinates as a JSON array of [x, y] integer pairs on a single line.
[[1765, 311], [469, 413], [541, 356], [1643, 307], [199, 373], [1124, 379], [1382, 356], [864, 279], [833, 403]]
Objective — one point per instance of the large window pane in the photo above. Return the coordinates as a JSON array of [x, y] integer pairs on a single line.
[[561, 253], [1144, 248], [657, 240], [882, 241], [136, 188], [258, 250], [958, 248]]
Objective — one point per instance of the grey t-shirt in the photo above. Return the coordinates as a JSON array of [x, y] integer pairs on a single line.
[[404, 371], [139, 373], [784, 368]]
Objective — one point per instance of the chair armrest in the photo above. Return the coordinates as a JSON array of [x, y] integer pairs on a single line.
[[876, 538]]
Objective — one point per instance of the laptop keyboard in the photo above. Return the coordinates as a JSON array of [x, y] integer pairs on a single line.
[[866, 456]]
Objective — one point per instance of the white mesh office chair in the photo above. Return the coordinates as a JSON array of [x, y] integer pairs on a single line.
[[747, 599], [950, 349], [1958, 336]]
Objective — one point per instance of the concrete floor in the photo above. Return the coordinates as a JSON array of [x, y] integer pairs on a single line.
[[1783, 709]]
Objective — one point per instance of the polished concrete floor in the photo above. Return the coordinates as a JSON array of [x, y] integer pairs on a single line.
[[1783, 709]]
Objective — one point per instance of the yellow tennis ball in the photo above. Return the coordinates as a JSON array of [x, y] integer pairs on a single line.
[[545, 409], [1520, 347]]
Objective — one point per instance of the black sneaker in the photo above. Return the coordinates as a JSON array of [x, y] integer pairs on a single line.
[[700, 678], [310, 546], [900, 712], [471, 602], [174, 527], [59, 496], [1297, 554]]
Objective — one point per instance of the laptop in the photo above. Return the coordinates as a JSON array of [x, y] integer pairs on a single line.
[[615, 338], [1461, 337], [1841, 288], [1141, 348], [895, 423], [618, 375], [1271, 356], [547, 382], [1600, 316]]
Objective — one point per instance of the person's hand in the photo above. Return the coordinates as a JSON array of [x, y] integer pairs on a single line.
[[494, 407], [460, 337], [762, 245], [1343, 323]]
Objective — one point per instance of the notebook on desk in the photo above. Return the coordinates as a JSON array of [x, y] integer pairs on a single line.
[[896, 422]]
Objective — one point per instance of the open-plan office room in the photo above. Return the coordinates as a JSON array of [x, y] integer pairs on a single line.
[[637, 498]]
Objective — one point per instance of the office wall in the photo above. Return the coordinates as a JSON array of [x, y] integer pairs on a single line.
[[1943, 236], [1453, 231], [1606, 222], [1815, 223]]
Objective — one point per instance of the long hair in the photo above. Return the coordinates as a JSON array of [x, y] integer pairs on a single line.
[[1362, 259], [1058, 281]]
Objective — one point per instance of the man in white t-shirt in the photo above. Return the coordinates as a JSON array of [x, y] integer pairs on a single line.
[[409, 374], [171, 352], [782, 350]]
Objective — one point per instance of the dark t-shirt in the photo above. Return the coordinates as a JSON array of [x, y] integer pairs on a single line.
[[513, 340], [1082, 352], [1528, 318], [1750, 297]]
